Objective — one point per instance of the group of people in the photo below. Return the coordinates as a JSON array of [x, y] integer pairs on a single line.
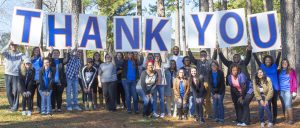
[[183, 86]]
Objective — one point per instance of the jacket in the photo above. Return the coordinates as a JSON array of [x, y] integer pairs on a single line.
[[177, 92], [293, 80], [51, 79], [267, 89], [245, 84], [125, 67], [148, 89], [220, 88], [26, 84], [61, 68], [85, 83], [198, 88]]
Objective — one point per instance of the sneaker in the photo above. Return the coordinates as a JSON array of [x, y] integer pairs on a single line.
[[69, 108], [239, 124], [23, 113], [169, 115], [43, 113], [243, 124], [162, 115], [262, 125], [155, 115], [29, 113], [59, 110], [77, 108], [270, 125]]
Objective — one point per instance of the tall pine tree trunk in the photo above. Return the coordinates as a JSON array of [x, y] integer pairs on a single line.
[[253, 64], [183, 27], [204, 7], [177, 24], [297, 41], [38, 4]]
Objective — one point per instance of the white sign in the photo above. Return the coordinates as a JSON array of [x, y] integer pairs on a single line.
[[92, 32], [201, 30], [27, 26], [264, 31]]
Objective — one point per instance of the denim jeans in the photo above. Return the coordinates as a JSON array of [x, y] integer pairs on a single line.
[[261, 110], [72, 86], [287, 99], [160, 90], [192, 104], [45, 102], [12, 91], [130, 91], [218, 106], [145, 99]]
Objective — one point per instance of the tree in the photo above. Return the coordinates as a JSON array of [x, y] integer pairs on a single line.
[[297, 40], [39, 5], [76, 9], [183, 27], [287, 30], [177, 23]]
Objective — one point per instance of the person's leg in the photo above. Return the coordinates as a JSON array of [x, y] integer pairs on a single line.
[[216, 107], [161, 92], [75, 93], [179, 106], [8, 87], [168, 105], [274, 106], [43, 101], [261, 112], [134, 95], [127, 95], [112, 95], [59, 96], [288, 105], [234, 100], [122, 93], [191, 104], [246, 108], [90, 99], [54, 96], [221, 107], [118, 94], [81, 87], [23, 103], [268, 111], [68, 91], [106, 94], [154, 105], [48, 98], [15, 88], [95, 92], [38, 96]]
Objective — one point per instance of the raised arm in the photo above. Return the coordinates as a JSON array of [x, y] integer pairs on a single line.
[[278, 58], [41, 52], [226, 62], [215, 54], [193, 60], [256, 59], [140, 59], [248, 57]]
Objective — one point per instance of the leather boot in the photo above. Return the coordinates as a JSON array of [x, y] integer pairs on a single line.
[[290, 116], [179, 113]]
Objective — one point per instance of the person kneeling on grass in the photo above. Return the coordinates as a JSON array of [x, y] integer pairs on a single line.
[[263, 91], [88, 76], [27, 74], [46, 80]]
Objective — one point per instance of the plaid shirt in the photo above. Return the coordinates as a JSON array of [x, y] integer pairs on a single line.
[[73, 67]]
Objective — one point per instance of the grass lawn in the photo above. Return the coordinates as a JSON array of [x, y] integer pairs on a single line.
[[102, 118]]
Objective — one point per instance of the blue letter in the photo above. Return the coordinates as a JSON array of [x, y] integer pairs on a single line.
[[155, 34], [240, 28], [272, 30], [66, 31], [92, 22], [133, 40], [201, 30], [27, 22]]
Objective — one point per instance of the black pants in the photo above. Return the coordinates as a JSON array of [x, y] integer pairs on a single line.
[[97, 91], [120, 94], [56, 97], [182, 108], [273, 105], [27, 101], [88, 96], [38, 98], [12, 91], [109, 94], [242, 109], [199, 108], [81, 87]]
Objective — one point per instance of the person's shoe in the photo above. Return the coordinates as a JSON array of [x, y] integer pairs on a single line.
[[243, 124], [23, 113], [69, 108], [202, 121], [270, 125], [155, 115], [59, 110], [43, 113], [29, 113], [262, 125], [169, 115], [95, 107], [129, 112], [136, 112], [239, 124], [162, 115], [180, 118], [185, 117], [77, 108]]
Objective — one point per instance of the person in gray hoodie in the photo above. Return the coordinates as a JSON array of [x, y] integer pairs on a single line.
[[13, 59]]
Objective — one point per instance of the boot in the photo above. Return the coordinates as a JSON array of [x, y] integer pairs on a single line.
[[85, 106], [286, 116], [179, 113], [185, 114], [90, 106], [290, 116]]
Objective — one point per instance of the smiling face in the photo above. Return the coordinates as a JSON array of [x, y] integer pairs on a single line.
[[27, 65], [130, 55], [176, 51], [236, 58], [260, 74], [214, 67], [119, 56], [55, 54], [268, 61], [173, 65], [46, 63], [193, 72], [234, 71], [36, 51], [150, 66], [96, 56], [108, 58], [13, 47], [180, 73], [187, 61], [157, 58], [203, 56], [284, 64]]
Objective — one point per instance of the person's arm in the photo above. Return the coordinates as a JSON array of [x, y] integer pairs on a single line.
[[278, 58], [193, 60], [30, 84], [112, 58], [202, 90], [270, 91], [140, 59], [256, 92], [66, 58], [5, 51], [215, 54], [175, 90], [256, 59], [41, 80], [41, 52], [186, 93], [99, 76], [226, 62], [248, 57]]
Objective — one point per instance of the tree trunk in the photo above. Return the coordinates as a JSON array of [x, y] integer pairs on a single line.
[[139, 7], [253, 64], [160, 8], [297, 40], [177, 24], [38, 4], [287, 30], [183, 27]]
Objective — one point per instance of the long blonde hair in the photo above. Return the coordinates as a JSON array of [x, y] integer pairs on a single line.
[[23, 68]]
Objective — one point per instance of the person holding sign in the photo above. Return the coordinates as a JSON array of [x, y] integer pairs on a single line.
[[59, 78], [203, 68], [130, 76], [288, 88], [242, 94], [120, 90], [13, 59], [107, 77], [72, 70], [270, 68], [96, 89], [37, 63], [178, 58], [263, 91]]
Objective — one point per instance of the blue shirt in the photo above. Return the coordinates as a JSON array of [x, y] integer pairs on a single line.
[[284, 80], [131, 74], [271, 72], [181, 89], [46, 78], [37, 64], [215, 76], [56, 78]]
